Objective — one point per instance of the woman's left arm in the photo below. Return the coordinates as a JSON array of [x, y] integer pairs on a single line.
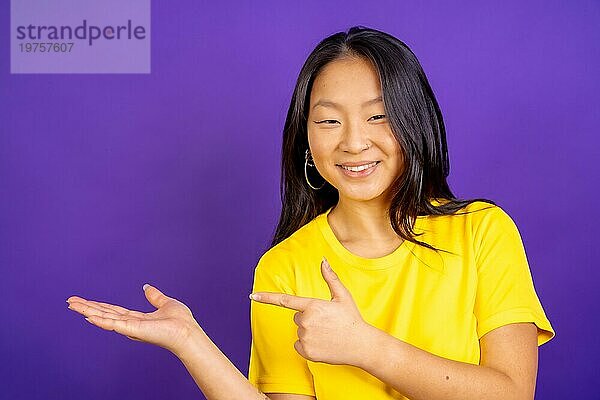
[[328, 329], [507, 371]]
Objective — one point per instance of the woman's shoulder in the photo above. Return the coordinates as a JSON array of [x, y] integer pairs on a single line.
[[484, 210], [472, 206], [477, 216], [476, 210], [486, 218]]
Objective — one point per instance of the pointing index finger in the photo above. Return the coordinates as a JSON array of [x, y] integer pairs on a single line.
[[290, 301]]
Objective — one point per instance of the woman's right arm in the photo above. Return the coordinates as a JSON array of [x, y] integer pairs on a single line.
[[217, 377], [173, 327], [212, 371]]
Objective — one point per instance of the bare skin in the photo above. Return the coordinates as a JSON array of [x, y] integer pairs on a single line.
[[173, 327]]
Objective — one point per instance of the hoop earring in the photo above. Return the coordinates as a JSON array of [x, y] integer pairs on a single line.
[[307, 163]]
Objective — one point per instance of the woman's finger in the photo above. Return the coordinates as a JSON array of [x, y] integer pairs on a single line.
[[124, 327], [88, 310], [98, 306], [114, 308], [118, 309], [155, 296]]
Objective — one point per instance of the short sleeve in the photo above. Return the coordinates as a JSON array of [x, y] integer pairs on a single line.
[[505, 290], [275, 365]]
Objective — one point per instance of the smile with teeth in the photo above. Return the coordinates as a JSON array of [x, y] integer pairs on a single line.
[[360, 167]]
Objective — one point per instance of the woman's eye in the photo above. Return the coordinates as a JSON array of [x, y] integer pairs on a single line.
[[328, 121]]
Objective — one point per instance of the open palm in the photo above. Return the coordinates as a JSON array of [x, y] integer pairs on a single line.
[[169, 326]]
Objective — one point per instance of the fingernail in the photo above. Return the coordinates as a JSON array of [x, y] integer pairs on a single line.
[[253, 296], [326, 263], [145, 287], [88, 320]]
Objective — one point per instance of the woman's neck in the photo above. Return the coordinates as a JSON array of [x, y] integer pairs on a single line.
[[362, 222]]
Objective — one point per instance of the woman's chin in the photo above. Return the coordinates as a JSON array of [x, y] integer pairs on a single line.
[[360, 194]]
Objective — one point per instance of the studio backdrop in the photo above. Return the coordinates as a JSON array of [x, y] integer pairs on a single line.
[[152, 154]]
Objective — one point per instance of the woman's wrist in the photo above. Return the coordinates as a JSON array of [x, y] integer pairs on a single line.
[[368, 349], [193, 338]]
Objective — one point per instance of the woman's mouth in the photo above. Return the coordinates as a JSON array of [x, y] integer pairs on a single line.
[[359, 171]]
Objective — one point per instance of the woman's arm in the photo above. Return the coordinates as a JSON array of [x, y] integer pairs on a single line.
[[212, 371], [327, 329], [173, 327], [508, 367]]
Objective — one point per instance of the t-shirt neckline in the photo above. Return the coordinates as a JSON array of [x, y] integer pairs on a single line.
[[396, 257]]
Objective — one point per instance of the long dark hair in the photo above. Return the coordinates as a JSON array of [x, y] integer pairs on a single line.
[[415, 119]]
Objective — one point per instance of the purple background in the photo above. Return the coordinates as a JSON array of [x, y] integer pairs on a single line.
[[110, 181]]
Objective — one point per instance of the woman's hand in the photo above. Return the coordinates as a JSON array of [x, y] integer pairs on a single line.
[[330, 331], [170, 326]]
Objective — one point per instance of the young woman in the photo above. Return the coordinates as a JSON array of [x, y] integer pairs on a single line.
[[379, 283]]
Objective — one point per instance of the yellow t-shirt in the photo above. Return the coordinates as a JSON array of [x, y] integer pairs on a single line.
[[442, 303]]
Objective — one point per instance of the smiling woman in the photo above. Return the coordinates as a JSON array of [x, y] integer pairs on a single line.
[[359, 143], [432, 296], [348, 303]]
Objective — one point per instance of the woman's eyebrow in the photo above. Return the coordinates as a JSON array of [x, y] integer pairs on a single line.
[[329, 103]]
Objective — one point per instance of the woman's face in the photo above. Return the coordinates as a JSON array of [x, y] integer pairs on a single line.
[[346, 114]]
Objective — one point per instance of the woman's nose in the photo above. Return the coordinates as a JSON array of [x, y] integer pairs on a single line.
[[354, 139]]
